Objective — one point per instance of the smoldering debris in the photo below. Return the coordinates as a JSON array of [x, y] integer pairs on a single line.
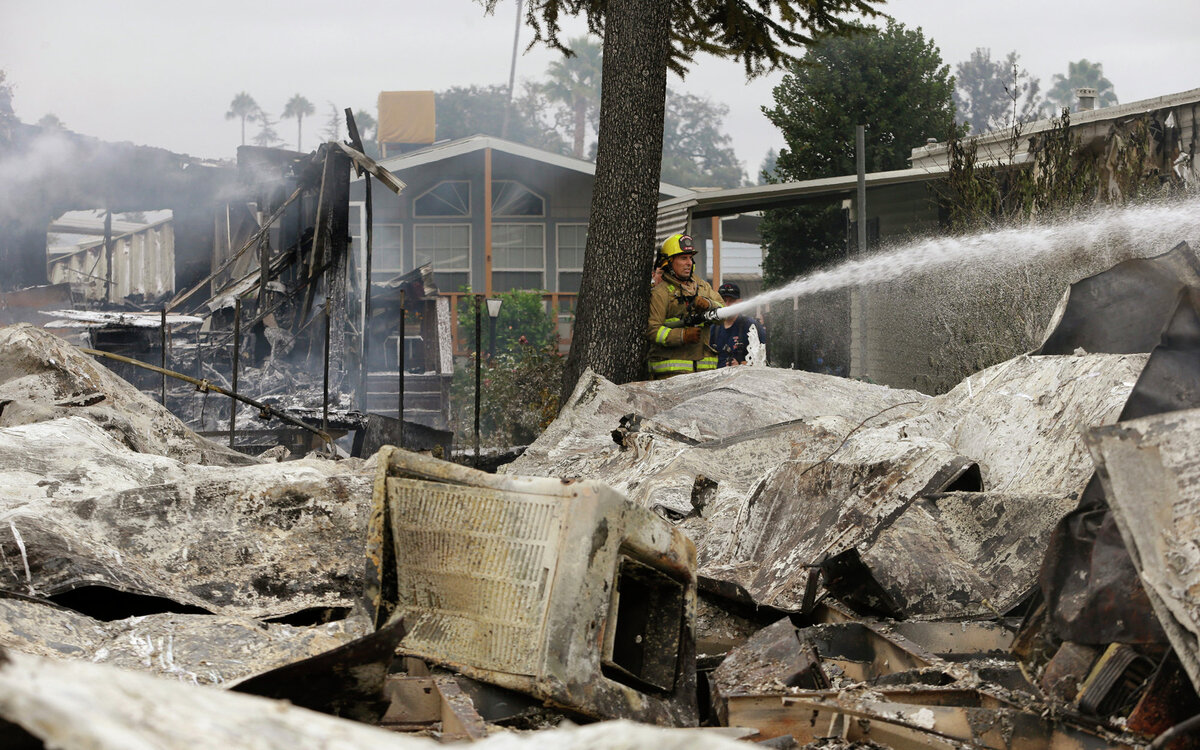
[[871, 565], [977, 514]]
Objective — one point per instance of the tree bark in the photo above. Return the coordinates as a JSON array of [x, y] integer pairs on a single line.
[[614, 295]]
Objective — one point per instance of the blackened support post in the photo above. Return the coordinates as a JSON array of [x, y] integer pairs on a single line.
[[325, 387], [237, 350], [400, 366], [163, 342], [108, 256]]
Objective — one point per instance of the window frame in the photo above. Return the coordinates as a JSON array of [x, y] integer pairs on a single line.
[[559, 268], [514, 269], [416, 199], [541, 199]]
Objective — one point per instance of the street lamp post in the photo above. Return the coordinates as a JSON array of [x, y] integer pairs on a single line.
[[493, 306], [478, 368]]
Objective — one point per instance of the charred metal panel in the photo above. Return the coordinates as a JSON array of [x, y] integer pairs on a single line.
[[512, 580], [1150, 469], [1125, 309], [201, 649], [1147, 305], [345, 681]]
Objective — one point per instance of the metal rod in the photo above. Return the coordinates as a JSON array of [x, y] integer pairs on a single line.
[[237, 351], [400, 367], [108, 253], [860, 205], [478, 368], [325, 382], [265, 411], [163, 341]]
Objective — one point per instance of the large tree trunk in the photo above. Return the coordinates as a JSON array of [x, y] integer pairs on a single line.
[[614, 296]]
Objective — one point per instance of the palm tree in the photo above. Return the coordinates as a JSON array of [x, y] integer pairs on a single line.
[[298, 107], [243, 106], [1079, 75], [366, 124], [575, 81]]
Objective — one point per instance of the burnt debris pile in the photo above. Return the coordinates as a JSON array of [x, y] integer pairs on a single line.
[[1010, 563], [744, 555]]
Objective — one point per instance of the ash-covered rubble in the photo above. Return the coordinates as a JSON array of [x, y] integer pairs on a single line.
[[859, 511], [127, 542], [111, 507], [781, 556]]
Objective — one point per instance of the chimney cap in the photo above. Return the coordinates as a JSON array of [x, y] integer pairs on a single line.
[[1087, 97]]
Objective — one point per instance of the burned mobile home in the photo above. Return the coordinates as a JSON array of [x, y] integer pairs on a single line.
[[240, 278]]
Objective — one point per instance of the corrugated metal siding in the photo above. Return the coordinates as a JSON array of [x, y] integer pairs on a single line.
[[143, 264], [671, 221], [738, 259]]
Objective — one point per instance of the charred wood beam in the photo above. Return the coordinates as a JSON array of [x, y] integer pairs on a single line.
[[316, 253], [366, 163], [337, 278], [365, 340], [265, 411]]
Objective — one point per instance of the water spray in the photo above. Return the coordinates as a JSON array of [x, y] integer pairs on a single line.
[[1137, 231]]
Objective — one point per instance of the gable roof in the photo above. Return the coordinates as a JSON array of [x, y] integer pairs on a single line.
[[449, 149]]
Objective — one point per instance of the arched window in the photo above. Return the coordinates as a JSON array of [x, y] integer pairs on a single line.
[[449, 198], [511, 198]]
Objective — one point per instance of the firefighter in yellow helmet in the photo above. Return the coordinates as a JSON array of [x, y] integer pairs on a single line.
[[675, 346]]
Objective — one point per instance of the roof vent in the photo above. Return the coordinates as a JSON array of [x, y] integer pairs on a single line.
[[1087, 98]]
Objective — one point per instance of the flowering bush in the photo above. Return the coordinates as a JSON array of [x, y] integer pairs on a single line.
[[518, 395]]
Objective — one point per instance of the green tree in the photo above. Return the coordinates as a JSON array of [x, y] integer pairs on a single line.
[[266, 135], [574, 82], [1080, 74], [991, 94], [893, 81], [50, 121], [243, 107], [766, 170], [695, 151], [642, 40], [463, 111], [333, 123], [298, 107], [519, 397]]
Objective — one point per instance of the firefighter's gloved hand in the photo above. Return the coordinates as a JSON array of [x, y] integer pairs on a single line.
[[702, 303], [691, 335]]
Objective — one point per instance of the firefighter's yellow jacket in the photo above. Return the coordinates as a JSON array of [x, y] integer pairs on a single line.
[[670, 301]]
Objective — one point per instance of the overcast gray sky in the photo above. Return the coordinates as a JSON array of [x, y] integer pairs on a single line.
[[163, 73]]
